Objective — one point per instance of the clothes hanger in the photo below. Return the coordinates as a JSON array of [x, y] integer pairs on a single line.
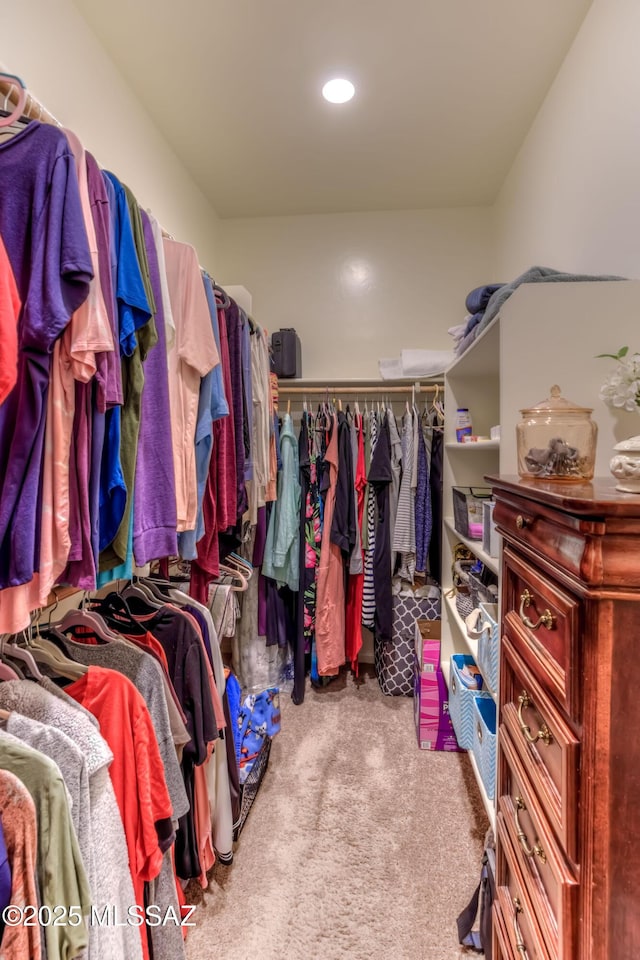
[[82, 617], [241, 583], [45, 651], [11, 650], [22, 98], [7, 672], [154, 596], [115, 610], [158, 588], [137, 589], [224, 299], [242, 562]]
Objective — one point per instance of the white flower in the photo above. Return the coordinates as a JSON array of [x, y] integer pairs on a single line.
[[621, 389]]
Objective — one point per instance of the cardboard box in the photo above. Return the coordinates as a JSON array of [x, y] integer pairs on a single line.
[[434, 729], [428, 653]]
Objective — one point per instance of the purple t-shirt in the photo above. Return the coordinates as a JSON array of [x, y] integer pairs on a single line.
[[155, 518], [43, 230]]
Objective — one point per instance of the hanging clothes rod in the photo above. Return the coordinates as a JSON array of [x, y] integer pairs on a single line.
[[33, 108], [382, 389]]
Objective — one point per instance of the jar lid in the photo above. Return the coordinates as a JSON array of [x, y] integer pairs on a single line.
[[556, 403]]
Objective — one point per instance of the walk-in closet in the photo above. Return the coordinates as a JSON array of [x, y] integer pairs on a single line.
[[319, 480]]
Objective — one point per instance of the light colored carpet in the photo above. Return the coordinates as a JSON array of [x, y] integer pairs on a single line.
[[359, 845]]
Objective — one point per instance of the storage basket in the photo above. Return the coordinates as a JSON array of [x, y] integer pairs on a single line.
[[485, 741], [462, 563], [489, 645], [250, 787], [483, 587], [461, 699], [464, 603], [467, 510]]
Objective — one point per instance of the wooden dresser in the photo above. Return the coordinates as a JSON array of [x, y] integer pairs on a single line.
[[568, 791]]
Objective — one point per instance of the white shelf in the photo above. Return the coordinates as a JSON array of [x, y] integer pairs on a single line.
[[454, 617], [489, 805], [493, 563], [471, 645], [478, 445], [482, 358], [445, 666]]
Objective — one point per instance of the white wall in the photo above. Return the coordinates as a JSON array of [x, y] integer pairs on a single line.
[[358, 287], [49, 45], [572, 199]]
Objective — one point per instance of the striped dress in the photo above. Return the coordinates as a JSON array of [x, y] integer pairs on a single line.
[[404, 533], [369, 596]]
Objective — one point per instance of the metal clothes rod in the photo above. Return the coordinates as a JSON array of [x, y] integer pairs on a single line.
[[332, 389], [33, 108]]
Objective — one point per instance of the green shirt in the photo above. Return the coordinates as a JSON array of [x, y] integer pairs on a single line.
[[62, 880]]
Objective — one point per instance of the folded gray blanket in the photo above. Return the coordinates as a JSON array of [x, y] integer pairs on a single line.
[[532, 275]]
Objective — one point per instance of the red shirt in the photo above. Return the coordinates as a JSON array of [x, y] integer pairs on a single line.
[[137, 772]]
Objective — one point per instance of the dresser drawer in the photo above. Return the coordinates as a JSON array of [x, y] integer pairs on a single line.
[[548, 749], [501, 944], [548, 622], [559, 536], [551, 885], [513, 902]]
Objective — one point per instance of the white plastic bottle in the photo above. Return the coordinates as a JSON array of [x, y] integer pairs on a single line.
[[463, 424]]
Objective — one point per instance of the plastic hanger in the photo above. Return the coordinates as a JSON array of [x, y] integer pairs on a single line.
[[144, 593], [22, 98], [46, 652], [241, 583], [236, 560], [88, 619], [7, 672], [115, 610], [224, 300], [158, 588], [14, 652]]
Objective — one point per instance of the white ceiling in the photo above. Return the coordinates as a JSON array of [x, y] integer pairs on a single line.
[[445, 93]]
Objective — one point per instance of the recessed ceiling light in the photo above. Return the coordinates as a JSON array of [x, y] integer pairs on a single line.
[[338, 91]]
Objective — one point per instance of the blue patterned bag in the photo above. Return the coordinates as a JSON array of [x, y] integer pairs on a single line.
[[395, 658]]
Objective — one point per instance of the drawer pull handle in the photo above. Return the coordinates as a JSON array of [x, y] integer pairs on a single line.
[[536, 851], [546, 620], [522, 522], [520, 944], [543, 733]]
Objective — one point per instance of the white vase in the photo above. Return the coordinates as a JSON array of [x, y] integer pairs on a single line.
[[625, 465]]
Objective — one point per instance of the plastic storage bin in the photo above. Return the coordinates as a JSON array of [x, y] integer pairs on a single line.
[[461, 699], [490, 536], [483, 586], [485, 742], [467, 510], [489, 645]]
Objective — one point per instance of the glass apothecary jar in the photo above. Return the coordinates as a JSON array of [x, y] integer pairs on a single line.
[[556, 441]]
